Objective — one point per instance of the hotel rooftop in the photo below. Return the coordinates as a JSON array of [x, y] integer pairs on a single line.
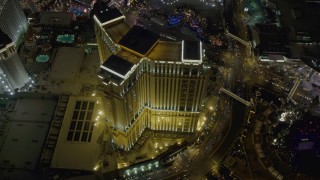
[[106, 15], [117, 66], [137, 43]]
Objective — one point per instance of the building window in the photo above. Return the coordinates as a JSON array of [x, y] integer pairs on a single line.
[[185, 71], [194, 72], [81, 126]]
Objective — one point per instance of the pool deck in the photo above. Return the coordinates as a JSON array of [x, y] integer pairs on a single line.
[[67, 63]]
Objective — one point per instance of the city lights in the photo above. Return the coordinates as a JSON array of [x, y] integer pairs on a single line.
[[160, 89]]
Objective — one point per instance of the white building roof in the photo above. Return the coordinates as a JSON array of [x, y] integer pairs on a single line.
[[71, 154]]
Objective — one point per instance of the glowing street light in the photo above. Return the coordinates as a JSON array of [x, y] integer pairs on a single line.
[[96, 167]]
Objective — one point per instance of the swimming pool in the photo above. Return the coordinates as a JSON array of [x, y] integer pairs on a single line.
[[42, 58], [65, 38]]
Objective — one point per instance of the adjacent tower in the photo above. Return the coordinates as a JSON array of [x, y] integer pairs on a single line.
[[12, 73], [13, 21]]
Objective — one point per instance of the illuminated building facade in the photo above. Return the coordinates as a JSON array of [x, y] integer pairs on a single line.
[[12, 73], [12, 19], [148, 82]]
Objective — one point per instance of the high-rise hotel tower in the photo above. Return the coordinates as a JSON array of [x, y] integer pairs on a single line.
[[148, 82], [13, 21], [12, 73]]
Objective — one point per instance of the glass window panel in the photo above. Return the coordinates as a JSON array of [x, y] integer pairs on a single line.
[[86, 126], [89, 115], [76, 136], [194, 72], [75, 115], [84, 136], [70, 135], [79, 125], [185, 71], [84, 105], [72, 125], [90, 135], [78, 103], [82, 113]]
